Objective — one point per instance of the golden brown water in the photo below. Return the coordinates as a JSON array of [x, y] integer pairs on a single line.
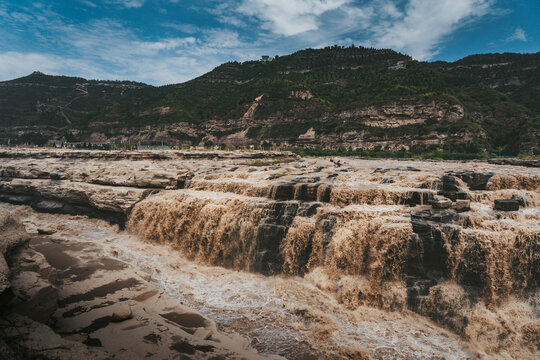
[[485, 287], [291, 316]]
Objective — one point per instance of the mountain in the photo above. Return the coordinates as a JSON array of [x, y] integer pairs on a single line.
[[334, 97], [39, 107]]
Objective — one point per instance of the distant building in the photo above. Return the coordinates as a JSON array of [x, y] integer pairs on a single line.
[[55, 143], [58, 143], [79, 144], [265, 58], [153, 147]]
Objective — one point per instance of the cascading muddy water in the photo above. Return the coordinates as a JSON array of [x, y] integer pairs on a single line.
[[460, 272], [286, 315], [228, 230]]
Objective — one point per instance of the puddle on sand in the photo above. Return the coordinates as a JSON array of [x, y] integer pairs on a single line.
[[280, 315]]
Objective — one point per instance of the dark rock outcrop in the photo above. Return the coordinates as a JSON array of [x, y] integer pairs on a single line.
[[524, 200], [431, 228], [463, 205], [452, 189], [283, 191], [441, 203], [12, 235], [306, 192], [475, 180], [270, 233], [506, 205], [516, 162], [419, 197], [303, 191]]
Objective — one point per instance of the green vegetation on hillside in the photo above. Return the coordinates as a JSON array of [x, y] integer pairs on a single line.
[[313, 88]]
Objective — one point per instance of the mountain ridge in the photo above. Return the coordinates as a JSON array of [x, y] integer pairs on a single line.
[[335, 97]]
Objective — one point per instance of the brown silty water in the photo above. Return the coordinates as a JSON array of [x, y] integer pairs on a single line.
[[480, 280], [286, 315], [342, 258]]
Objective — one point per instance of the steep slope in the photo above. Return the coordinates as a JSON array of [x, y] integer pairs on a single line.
[[338, 97], [38, 107], [515, 75]]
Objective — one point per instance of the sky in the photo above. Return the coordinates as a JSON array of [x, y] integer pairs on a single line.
[[170, 41]]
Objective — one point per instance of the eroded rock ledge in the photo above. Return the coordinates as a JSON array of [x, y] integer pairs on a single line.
[[399, 235], [12, 236], [139, 155]]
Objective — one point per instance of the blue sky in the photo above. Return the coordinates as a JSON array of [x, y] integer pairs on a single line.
[[169, 41]]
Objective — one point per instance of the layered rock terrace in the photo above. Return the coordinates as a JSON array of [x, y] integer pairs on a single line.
[[407, 235]]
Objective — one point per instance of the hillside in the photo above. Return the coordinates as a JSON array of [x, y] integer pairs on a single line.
[[329, 98], [39, 107]]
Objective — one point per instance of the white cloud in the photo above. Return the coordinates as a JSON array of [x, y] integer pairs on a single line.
[[128, 3], [106, 48], [15, 64], [519, 34], [425, 24], [289, 17], [165, 44], [416, 27], [20, 17], [132, 3], [88, 3], [187, 28], [390, 9], [215, 38]]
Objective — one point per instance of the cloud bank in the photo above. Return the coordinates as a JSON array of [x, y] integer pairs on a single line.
[[107, 45]]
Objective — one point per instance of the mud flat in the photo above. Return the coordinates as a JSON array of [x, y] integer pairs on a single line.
[[321, 258]]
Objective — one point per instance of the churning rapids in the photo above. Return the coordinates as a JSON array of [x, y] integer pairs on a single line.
[[309, 258], [280, 315]]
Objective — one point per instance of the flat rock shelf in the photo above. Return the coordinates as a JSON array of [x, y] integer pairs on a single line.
[[229, 255]]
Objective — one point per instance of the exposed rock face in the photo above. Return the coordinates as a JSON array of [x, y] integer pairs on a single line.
[[519, 162], [463, 205], [506, 205], [24, 334], [474, 180], [67, 197], [12, 232], [107, 186], [12, 235], [441, 203], [399, 114], [122, 313]]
